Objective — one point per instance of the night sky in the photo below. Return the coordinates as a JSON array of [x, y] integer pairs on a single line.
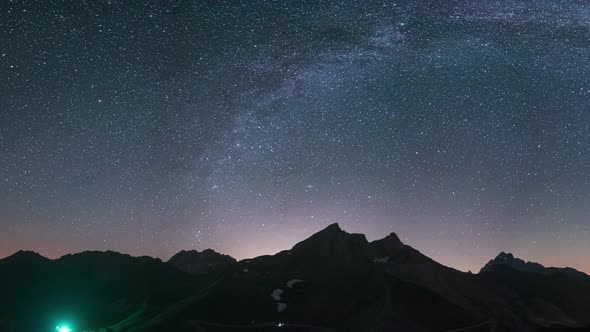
[[148, 127]]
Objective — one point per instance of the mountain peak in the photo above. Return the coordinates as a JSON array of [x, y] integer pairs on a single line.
[[332, 240], [508, 259], [393, 239], [25, 256], [387, 246], [195, 262], [335, 227], [502, 256], [26, 253]]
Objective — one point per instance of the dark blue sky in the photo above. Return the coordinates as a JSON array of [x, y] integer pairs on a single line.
[[245, 126]]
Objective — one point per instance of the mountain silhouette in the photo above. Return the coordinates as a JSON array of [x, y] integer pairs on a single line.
[[206, 261], [331, 281], [508, 260]]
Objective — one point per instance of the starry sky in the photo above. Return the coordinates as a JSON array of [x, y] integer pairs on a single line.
[[148, 127]]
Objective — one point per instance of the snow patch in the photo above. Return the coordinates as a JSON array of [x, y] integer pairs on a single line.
[[292, 282], [281, 306], [381, 260], [276, 294]]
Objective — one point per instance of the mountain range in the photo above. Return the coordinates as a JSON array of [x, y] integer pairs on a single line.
[[331, 281]]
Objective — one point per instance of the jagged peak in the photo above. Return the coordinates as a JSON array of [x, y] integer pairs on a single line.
[[211, 251], [186, 252], [504, 256], [389, 244], [334, 227], [329, 231], [332, 235], [393, 239], [195, 262], [508, 259], [195, 254]]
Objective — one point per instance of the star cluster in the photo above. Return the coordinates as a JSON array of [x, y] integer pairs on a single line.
[[245, 126]]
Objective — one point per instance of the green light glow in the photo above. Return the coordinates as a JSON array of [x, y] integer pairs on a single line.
[[63, 329]]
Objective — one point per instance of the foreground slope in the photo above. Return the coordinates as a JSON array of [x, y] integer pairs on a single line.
[[89, 289]]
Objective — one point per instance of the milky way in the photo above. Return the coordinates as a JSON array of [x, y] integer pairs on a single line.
[[245, 126]]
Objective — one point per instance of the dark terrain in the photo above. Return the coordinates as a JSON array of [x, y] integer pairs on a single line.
[[332, 281]]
